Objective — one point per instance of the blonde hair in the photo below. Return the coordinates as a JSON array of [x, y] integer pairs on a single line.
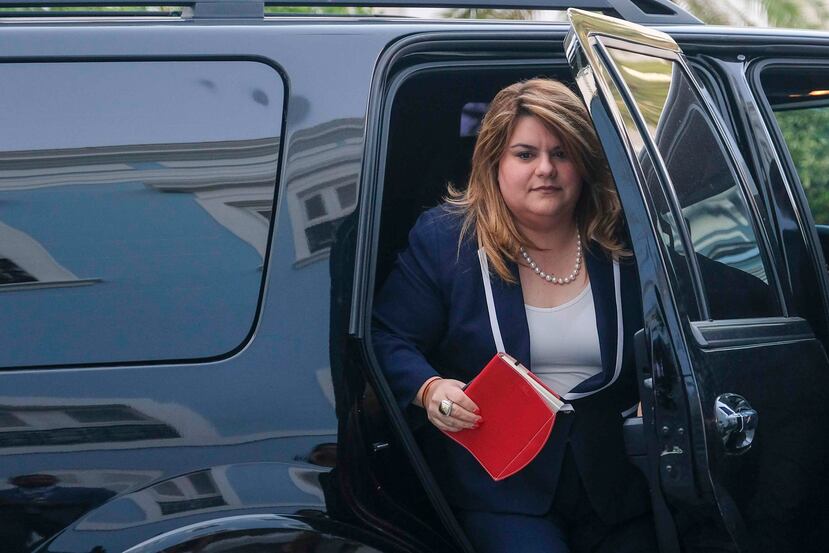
[[598, 211]]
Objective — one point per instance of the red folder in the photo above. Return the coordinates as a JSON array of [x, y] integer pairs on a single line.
[[518, 411]]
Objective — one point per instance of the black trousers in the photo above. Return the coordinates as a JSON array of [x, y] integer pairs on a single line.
[[571, 525]]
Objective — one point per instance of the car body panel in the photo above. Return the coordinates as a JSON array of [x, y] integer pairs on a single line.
[[273, 398]]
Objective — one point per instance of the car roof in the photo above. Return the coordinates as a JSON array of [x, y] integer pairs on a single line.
[[402, 25], [653, 12]]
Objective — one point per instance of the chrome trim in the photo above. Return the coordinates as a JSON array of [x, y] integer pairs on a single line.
[[586, 24], [727, 333], [736, 423]]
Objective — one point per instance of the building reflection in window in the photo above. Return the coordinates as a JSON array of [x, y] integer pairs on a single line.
[[322, 191]]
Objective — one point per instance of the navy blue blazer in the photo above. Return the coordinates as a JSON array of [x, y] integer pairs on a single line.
[[431, 318]]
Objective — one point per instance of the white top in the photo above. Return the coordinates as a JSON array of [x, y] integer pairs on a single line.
[[499, 342], [564, 342]]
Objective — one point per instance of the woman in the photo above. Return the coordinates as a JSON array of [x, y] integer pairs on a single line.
[[526, 260]]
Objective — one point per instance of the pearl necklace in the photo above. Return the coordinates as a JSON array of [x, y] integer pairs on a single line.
[[550, 277]]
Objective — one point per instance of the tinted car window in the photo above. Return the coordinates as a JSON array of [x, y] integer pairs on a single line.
[[714, 212], [135, 200], [805, 131], [799, 97]]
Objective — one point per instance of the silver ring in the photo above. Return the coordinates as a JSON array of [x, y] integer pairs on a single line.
[[446, 407]]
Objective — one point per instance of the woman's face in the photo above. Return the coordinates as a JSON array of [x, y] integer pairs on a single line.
[[538, 182]]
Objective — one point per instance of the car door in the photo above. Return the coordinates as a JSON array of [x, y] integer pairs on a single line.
[[734, 384]]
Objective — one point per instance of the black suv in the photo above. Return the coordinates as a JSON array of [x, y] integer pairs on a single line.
[[197, 206]]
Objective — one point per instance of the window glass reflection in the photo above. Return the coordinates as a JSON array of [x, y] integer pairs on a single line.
[[666, 228], [135, 200], [712, 204]]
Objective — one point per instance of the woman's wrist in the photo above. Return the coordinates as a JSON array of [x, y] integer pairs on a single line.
[[424, 389]]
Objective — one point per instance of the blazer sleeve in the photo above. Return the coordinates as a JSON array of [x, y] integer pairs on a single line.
[[409, 317]]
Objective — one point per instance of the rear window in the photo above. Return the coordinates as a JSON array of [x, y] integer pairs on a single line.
[[135, 205]]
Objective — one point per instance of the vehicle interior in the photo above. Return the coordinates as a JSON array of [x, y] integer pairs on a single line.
[[434, 120]]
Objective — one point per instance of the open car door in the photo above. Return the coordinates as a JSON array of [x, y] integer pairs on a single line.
[[735, 387]]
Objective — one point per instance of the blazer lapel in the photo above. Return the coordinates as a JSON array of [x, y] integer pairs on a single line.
[[512, 317], [600, 270]]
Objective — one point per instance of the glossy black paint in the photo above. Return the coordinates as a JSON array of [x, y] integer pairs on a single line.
[[749, 489], [804, 281], [234, 501], [254, 433], [272, 400], [781, 367]]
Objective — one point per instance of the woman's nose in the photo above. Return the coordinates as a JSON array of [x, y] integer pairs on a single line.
[[545, 166]]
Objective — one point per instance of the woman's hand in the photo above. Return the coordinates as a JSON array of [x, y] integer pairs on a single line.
[[464, 411]]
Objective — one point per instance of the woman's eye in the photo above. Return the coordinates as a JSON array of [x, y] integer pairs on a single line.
[[524, 155], [559, 154]]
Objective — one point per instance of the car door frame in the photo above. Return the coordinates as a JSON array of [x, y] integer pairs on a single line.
[[734, 80], [663, 303]]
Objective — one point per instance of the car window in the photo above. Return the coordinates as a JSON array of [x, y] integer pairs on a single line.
[[799, 98], [805, 131], [710, 206], [135, 206]]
